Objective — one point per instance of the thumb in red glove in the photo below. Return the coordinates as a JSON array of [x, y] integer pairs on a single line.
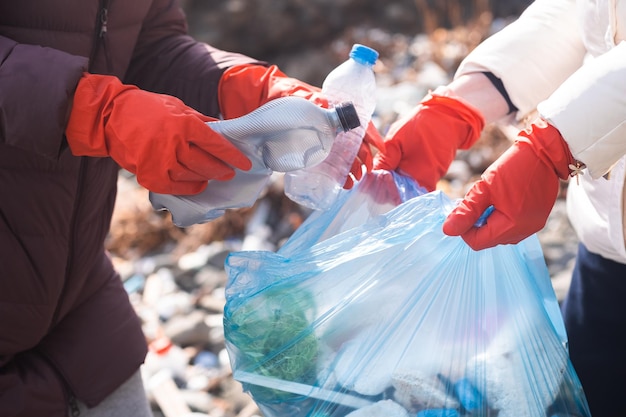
[[157, 137], [423, 144], [522, 186]]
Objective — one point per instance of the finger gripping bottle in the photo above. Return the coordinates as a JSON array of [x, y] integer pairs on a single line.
[[318, 186], [285, 134]]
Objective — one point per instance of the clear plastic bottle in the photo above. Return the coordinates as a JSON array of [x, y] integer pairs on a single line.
[[285, 134], [317, 187], [164, 354]]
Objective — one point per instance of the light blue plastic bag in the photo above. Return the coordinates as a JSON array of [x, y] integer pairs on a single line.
[[393, 318], [376, 193]]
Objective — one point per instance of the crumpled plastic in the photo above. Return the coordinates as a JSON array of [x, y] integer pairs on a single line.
[[376, 193], [390, 317]]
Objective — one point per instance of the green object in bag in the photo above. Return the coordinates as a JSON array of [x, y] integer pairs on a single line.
[[275, 338]]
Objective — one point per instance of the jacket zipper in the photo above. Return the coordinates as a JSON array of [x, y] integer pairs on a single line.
[[72, 234], [100, 36], [99, 39], [74, 409], [72, 404], [72, 401], [101, 31], [70, 254]]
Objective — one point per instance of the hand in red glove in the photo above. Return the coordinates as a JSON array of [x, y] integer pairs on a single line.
[[243, 88], [424, 143], [157, 137], [522, 185]]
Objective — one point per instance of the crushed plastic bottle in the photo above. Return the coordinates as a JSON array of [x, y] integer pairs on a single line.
[[317, 187], [284, 134]]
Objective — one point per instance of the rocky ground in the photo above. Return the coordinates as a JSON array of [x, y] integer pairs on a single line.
[[175, 277]]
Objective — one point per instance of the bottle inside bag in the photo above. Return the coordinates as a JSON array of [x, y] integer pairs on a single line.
[[285, 134], [318, 186]]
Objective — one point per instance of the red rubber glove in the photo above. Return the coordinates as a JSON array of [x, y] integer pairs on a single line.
[[166, 144], [522, 185], [423, 144], [243, 88]]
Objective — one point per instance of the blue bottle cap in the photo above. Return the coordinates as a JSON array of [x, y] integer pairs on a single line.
[[363, 54], [468, 395]]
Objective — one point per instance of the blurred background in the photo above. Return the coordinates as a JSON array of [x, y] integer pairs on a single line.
[[308, 38]]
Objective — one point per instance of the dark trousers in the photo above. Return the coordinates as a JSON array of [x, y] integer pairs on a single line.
[[595, 318]]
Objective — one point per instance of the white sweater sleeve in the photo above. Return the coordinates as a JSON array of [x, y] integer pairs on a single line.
[[533, 55], [589, 109]]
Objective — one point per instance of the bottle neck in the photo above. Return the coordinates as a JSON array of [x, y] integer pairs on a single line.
[[362, 61]]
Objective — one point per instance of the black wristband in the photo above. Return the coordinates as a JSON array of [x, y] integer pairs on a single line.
[[497, 82]]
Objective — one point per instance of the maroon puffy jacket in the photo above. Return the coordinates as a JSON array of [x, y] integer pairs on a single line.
[[66, 325]]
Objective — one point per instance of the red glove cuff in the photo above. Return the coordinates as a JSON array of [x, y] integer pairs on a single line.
[[457, 110], [93, 103], [550, 147], [424, 143], [243, 88]]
